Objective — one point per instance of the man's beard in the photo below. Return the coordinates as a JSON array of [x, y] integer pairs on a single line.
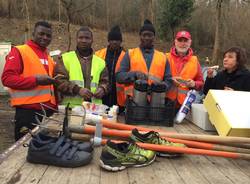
[[181, 50]]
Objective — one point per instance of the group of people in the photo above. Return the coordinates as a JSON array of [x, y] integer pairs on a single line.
[[107, 76]]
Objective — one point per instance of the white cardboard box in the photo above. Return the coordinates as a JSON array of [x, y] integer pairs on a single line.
[[199, 117]]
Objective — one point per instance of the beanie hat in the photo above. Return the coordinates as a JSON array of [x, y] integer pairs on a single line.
[[147, 26], [115, 33]]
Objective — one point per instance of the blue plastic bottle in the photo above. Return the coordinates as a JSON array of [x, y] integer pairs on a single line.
[[186, 106]]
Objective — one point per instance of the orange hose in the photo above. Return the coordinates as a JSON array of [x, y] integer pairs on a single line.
[[164, 133], [127, 134], [194, 151], [121, 126]]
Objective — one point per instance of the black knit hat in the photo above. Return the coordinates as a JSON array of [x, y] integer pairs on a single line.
[[147, 26], [115, 33]]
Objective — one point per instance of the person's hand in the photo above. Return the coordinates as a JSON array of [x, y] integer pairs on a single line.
[[190, 83], [228, 88], [44, 80], [63, 87], [140, 76], [175, 81], [210, 73], [85, 93], [99, 93]]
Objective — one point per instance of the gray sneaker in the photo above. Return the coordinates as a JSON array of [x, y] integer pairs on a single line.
[[60, 153], [45, 138]]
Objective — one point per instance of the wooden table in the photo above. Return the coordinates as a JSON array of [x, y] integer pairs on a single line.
[[189, 169]]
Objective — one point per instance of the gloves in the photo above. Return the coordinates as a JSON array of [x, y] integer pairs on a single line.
[[44, 80], [99, 93], [85, 93]]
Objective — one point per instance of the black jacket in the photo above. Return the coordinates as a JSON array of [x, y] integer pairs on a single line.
[[111, 61], [238, 80]]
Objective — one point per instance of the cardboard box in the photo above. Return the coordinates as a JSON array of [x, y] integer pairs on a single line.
[[229, 112], [199, 116]]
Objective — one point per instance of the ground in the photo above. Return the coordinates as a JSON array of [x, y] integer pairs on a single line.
[[6, 123], [14, 30]]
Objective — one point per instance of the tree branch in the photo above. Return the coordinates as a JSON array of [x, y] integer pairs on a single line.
[[86, 7]]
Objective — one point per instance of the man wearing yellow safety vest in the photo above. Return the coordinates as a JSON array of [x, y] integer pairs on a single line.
[[28, 75], [185, 68], [113, 56], [81, 74], [144, 62]]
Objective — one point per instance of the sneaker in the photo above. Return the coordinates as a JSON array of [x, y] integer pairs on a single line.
[[154, 138], [118, 156], [45, 138], [58, 153]]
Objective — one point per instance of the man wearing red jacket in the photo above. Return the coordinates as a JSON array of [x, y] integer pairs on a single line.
[[185, 68], [28, 75]]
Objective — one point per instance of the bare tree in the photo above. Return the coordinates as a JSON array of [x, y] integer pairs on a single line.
[[107, 15], [26, 13], [71, 11], [59, 10], [217, 39], [93, 13], [9, 8]]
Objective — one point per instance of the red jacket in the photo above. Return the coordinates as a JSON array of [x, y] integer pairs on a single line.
[[14, 67], [180, 62]]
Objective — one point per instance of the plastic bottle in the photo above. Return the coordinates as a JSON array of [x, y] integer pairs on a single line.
[[112, 113], [186, 106]]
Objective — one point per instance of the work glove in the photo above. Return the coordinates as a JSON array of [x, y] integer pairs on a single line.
[[99, 93], [44, 80], [85, 93]]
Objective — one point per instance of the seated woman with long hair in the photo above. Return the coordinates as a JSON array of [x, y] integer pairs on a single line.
[[234, 76]]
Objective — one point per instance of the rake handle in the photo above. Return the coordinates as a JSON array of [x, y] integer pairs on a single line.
[[194, 137]]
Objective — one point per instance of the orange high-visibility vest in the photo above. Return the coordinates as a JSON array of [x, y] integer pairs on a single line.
[[119, 87], [32, 66], [138, 63], [189, 71]]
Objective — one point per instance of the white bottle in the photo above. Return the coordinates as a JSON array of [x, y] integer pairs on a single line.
[[113, 112], [186, 106]]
